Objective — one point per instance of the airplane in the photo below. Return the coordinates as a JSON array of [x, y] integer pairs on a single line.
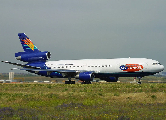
[[84, 69]]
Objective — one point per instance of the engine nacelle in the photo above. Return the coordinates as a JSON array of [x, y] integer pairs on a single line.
[[31, 57], [85, 76]]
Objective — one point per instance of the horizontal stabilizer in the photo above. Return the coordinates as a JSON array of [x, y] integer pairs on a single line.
[[22, 65]]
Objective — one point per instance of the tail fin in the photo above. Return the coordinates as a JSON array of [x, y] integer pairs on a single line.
[[27, 44]]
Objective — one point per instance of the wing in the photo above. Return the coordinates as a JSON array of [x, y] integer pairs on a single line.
[[34, 68]]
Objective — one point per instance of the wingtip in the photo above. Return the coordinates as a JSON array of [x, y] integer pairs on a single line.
[[5, 61]]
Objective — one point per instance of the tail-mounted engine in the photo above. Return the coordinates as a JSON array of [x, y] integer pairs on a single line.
[[31, 57]]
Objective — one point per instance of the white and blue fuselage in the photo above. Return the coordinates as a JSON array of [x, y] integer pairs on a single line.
[[110, 66]]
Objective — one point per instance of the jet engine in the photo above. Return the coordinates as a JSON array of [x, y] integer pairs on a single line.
[[85, 76], [31, 57]]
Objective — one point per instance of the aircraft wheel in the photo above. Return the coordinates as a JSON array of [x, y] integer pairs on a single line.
[[86, 82], [89, 82], [139, 82], [72, 82], [69, 82]]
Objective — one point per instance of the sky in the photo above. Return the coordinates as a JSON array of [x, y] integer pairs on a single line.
[[84, 29]]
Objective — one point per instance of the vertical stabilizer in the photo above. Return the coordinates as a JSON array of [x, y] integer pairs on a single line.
[[27, 44]]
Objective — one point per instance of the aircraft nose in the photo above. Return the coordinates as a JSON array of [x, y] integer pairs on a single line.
[[162, 67]]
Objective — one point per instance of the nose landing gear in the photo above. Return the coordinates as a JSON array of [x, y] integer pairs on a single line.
[[139, 80]]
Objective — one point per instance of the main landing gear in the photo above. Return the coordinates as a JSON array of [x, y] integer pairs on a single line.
[[139, 80], [69, 81], [86, 82]]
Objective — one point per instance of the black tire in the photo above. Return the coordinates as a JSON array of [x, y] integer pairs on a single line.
[[69, 82], [139, 82], [72, 82], [87, 82]]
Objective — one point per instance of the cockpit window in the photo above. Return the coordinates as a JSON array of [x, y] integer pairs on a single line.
[[156, 64]]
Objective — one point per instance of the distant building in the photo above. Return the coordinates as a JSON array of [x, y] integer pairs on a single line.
[[11, 75]]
